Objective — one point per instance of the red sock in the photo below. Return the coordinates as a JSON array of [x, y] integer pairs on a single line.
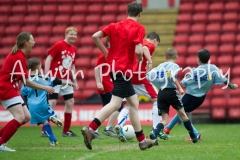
[[2, 130], [9, 130], [93, 125], [141, 137], [67, 121]]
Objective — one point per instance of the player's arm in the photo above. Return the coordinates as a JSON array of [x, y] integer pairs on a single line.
[[231, 86], [175, 81], [48, 63], [97, 39], [139, 51], [148, 57], [98, 78], [39, 86]]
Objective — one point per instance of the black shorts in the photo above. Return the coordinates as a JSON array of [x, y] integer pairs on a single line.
[[122, 88], [167, 97], [190, 103]]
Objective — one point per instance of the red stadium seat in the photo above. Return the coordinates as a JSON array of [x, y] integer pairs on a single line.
[[2, 31], [88, 93], [237, 48], [212, 38], [85, 51], [93, 18], [182, 28], [199, 17], [65, 9], [228, 38], [193, 49], [238, 38], [186, 7], [191, 61], [5, 51], [217, 7], [196, 39], [198, 28], [35, 9], [55, 39], [59, 29], [235, 93], [22, 9], [181, 49], [62, 19], [90, 84], [229, 27], [110, 8], [86, 40], [234, 112], [83, 62], [215, 17], [206, 103], [41, 40], [95, 8], [121, 17], [218, 107], [122, 8], [214, 27], [93, 62], [218, 92], [212, 48], [16, 19], [235, 80], [225, 59], [39, 51], [227, 48], [77, 19], [230, 16], [181, 61], [108, 18], [235, 71], [50, 8], [4, 19], [47, 19], [236, 59], [30, 28], [12, 30], [96, 51], [5, 9], [31, 19], [90, 29], [181, 39], [213, 59], [46, 30], [10, 40], [218, 113], [90, 74], [201, 7], [232, 6], [80, 8], [184, 18]]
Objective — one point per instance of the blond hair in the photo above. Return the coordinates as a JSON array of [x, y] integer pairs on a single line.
[[171, 54], [21, 39], [70, 29]]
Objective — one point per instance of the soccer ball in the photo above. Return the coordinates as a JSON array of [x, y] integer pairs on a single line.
[[128, 132]]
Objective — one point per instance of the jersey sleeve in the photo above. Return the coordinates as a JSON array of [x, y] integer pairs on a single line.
[[140, 36], [107, 30], [54, 50], [218, 77]]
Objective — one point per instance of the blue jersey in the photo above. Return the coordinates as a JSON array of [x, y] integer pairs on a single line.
[[37, 100], [200, 80], [162, 75]]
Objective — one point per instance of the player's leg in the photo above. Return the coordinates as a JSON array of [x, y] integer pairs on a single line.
[[49, 133], [171, 124], [123, 116]]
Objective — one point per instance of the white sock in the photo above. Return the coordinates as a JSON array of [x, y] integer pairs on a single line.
[[123, 116], [107, 127], [155, 117]]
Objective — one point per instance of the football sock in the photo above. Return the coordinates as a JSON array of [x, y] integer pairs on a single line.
[[95, 124], [67, 122], [188, 126], [43, 125], [159, 127], [2, 130], [10, 129], [195, 131], [174, 121], [155, 115], [123, 116], [48, 131], [107, 128], [140, 136]]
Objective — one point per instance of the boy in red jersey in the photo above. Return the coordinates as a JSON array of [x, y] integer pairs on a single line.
[[61, 62], [140, 84], [104, 89], [13, 72], [126, 38]]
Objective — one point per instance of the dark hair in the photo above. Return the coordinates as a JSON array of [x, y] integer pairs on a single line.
[[171, 54], [153, 35], [33, 63], [21, 39], [134, 8], [203, 55]]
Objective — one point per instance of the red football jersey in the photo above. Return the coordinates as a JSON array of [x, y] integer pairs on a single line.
[[12, 72], [106, 80], [124, 36], [135, 79], [63, 57]]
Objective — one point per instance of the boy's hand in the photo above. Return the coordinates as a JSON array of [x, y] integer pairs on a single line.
[[235, 86], [149, 67], [49, 89], [100, 86], [181, 91]]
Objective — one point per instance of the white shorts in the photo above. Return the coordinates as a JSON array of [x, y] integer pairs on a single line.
[[148, 91], [63, 89], [12, 102]]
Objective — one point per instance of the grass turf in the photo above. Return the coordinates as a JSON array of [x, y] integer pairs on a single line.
[[220, 141]]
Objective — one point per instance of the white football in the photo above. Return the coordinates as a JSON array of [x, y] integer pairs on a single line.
[[129, 132]]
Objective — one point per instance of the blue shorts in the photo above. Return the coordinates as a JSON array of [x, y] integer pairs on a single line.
[[190, 103], [106, 98]]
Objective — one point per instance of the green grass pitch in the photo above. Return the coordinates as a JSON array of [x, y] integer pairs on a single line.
[[220, 141]]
